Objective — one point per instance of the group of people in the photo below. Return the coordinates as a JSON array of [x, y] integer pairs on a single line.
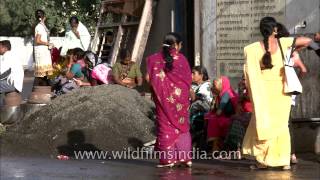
[[255, 120], [83, 68], [73, 66], [218, 115], [69, 67], [76, 37], [190, 108]]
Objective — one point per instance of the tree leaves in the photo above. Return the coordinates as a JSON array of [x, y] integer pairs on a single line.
[[17, 16]]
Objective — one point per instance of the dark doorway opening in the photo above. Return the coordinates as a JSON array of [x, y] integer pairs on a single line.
[[184, 25]]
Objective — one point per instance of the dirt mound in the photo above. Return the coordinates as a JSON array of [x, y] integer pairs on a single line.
[[107, 117]]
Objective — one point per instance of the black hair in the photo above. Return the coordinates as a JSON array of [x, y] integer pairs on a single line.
[[6, 43], [203, 71], [78, 52], [70, 52], [39, 14], [124, 53], [282, 31], [91, 59], [267, 25], [109, 33], [168, 42], [74, 19]]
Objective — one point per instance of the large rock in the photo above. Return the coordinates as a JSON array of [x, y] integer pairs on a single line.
[[109, 117]]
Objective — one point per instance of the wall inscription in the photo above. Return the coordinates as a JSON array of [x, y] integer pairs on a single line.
[[237, 26]]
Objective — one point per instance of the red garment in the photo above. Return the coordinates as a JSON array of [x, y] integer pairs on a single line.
[[218, 125], [55, 55], [247, 106], [171, 95]]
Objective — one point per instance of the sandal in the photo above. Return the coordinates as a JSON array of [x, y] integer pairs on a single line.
[[258, 166], [170, 165], [184, 164], [188, 164]]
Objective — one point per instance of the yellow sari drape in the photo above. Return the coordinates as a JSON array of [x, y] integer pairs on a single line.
[[267, 137]]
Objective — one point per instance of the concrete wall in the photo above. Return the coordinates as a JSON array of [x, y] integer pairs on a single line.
[[208, 36], [23, 48], [298, 11], [307, 134]]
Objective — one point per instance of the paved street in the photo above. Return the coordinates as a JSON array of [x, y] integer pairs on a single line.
[[45, 168]]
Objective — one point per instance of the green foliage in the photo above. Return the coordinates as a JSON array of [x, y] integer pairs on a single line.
[[17, 16]]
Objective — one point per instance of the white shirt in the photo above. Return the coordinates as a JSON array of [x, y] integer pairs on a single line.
[[72, 41], [7, 61], [42, 30], [205, 90]]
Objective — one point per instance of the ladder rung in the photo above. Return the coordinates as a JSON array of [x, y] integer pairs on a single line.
[[106, 51], [104, 57], [119, 24]]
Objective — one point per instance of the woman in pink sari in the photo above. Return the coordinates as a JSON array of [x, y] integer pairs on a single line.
[[169, 75], [219, 119]]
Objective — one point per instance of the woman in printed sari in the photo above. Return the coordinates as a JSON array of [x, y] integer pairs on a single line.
[[169, 75], [218, 120], [267, 137]]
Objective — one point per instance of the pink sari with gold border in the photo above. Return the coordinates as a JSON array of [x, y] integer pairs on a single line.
[[171, 96]]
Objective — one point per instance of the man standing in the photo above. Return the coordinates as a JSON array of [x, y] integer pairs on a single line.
[[77, 37], [11, 70]]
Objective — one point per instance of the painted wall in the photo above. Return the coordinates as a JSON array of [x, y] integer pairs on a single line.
[[23, 48]]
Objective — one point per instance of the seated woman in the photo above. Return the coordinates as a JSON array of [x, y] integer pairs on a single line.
[[96, 74], [126, 72], [60, 66], [201, 95], [240, 121], [75, 71], [201, 98], [219, 119], [76, 65]]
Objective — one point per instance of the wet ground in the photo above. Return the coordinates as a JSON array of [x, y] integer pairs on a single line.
[[38, 168], [35, 168]]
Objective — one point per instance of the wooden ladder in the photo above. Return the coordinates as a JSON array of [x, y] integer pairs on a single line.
[[131, 25]]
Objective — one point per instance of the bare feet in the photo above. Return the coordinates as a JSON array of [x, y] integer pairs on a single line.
[[294, 159], [287, 167]]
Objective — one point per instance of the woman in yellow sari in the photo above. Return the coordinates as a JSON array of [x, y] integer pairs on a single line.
[[267, 137]]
